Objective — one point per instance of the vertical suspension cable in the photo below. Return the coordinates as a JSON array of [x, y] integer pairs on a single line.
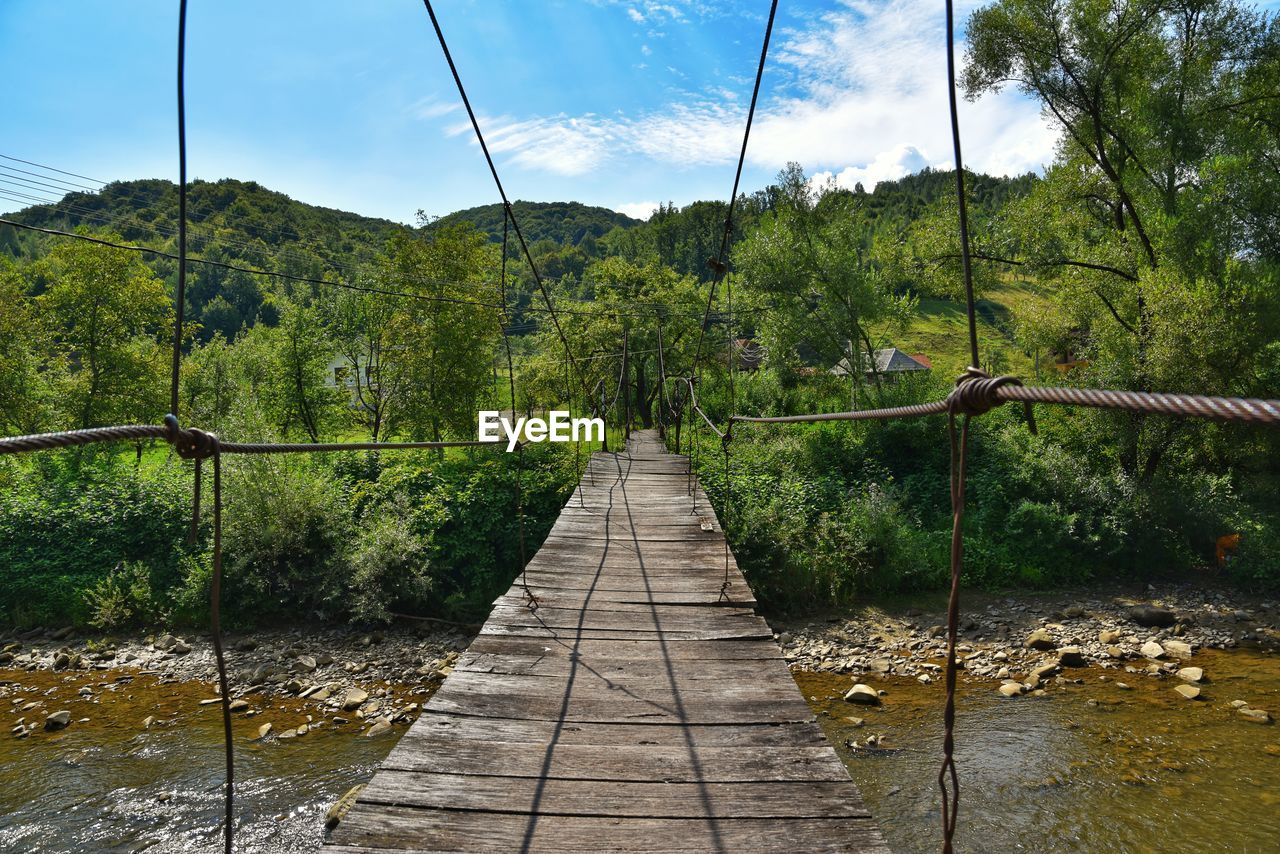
[[721, 262], [948, 777], [181, 295], [965, 261], [504, 321], [215, 619], [662, 387], [493, 170]]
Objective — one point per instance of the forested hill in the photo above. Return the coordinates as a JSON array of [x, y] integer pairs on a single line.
[[238, 219], [563, 223]]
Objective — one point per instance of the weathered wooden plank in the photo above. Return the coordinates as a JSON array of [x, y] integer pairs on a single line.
[[773, 799], [436, 753], [699, 670], [703, 709], [575, 590], [584, 682], [552, 633], [744, 737], [655, 617], [409, 829], [644, 648]]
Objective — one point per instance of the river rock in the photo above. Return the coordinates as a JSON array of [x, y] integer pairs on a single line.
[[239, 705], [180, 648], [379, 727], [1191, 674], [1178, 649], [355, 699], [264, 730], [61, 661], [148, 721], [1071, 656], [1152, 650], [1257, 716], [1012, 689], [1040, 640], [1152, 616], [863, 695], [57, 720], [164, 643], [246, 645], [306, 663], [1108, 636], [1042, 671], [1191, 692]]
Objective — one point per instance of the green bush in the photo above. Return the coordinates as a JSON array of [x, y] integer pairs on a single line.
[[71, 519]]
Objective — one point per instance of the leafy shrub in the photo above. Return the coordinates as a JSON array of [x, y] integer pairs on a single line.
[[71, 519], [121, 598]]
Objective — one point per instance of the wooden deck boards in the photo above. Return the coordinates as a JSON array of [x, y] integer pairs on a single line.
[[641, 705]]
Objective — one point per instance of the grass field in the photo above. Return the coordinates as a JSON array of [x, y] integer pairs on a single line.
[[940, 330]]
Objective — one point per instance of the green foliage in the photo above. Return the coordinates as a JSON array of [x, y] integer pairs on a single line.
[[122, 598], [561, 223], [71, 518], [107, 319]]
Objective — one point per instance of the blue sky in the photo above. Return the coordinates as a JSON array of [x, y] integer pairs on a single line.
[[622, 103]]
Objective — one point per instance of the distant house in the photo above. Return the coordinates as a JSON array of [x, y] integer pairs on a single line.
[[1066, 355], [891, 363]]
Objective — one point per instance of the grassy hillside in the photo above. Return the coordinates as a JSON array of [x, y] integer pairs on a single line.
[[940, 329]]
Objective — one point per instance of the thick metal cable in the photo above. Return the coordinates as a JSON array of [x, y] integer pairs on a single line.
[[511, 380], [180, 300], [493, 170], [948, 779], [215, 619], [965, 261], [720, 264]]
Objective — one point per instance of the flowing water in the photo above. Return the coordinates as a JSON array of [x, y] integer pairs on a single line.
[[111, 784], [1088, 767]]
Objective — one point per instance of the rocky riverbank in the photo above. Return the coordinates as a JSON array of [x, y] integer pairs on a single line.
[[1023, 644], [370, 679]]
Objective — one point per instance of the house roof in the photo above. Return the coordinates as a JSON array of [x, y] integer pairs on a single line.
[[890, 360]]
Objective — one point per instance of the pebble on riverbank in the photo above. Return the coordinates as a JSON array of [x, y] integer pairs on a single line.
[[1023, 644], [382, 674]]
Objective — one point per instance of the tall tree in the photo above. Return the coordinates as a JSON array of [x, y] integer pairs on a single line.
[[108, 320], [1161, 251]]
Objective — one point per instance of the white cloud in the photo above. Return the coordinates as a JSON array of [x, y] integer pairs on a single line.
[[886, 166], [637, 210], [860, 94], [635, 15]]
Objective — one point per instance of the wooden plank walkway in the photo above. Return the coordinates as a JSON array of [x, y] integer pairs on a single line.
[[642, 705]]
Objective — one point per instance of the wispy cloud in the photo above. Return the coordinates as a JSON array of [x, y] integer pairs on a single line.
[[858, 94], [432, 107]]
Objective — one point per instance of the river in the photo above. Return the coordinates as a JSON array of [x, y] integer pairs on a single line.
[[1087, 767]]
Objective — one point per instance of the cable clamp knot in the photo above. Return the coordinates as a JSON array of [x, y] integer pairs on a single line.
[[977, 393], [190, 443]]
